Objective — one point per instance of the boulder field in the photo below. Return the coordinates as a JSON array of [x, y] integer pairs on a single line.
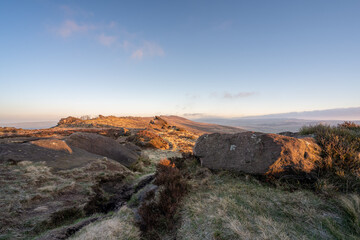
[[257, 153]]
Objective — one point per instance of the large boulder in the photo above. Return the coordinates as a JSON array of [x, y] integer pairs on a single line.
[[54, 153], [104, 146], [257, 153]]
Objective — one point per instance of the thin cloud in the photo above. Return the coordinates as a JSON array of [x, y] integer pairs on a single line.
[[126, 44], [111, 35], [67, 10], [227, 95], [106, 40], [138, 54], [70, 11], [70, 27], [192, 96], [194, 115], [112, 24], [149, 49]]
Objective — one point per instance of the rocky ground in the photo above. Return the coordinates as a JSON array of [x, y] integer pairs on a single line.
[[51, 177], [100, 179]]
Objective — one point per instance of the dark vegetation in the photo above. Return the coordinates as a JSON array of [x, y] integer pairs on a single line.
[[60, 218], [159, 210], [9, 129], [339, 168]]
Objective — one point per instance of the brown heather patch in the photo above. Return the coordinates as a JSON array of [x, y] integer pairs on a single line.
[[158, 212]]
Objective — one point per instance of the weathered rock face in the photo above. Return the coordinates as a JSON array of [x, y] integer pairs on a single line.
[[104, 146], [257, 153], [54, 144], [54, 153], [69, 120]]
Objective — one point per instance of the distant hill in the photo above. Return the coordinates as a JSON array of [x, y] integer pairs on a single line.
[[30, 125], [275, 123], [143, 122], [340, 114], [200, 127]]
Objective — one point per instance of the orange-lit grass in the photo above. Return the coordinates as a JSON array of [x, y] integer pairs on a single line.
[[166, 162]]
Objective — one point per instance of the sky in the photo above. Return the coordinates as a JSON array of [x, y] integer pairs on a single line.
[[188, 58]]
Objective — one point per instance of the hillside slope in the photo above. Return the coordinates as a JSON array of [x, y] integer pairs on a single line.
[[143, 122], [200, 127]]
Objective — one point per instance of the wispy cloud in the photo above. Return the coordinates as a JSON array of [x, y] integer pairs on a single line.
[[111, 34], [148, 49], [112, 24], [237, 95], [67, 10], [194, 115], [138, 54], [125, 44], [106, 40], [227, 95], [192, 96], [69, 27], [70, 11]]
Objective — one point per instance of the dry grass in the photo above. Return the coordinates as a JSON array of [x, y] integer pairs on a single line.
[[31, 193], [351, 206], [340, 146], [239, 207], [183, 141], [119, 226], [339, 168], [150, 158]]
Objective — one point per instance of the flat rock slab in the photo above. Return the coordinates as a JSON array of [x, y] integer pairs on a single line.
[[55, 153], [104, 146], [257, 153]]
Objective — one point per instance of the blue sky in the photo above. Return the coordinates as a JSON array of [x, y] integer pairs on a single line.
[[222, 58]]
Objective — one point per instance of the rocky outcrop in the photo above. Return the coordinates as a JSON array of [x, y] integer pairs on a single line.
[[159, 122], [257, 153], [104, 146], [70, 120], [148, 138], [54, 153]]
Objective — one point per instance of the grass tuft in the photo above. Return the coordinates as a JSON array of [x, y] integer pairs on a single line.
[[351, 206]]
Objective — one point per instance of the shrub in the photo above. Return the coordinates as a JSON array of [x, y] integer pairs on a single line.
[[340, 164], [158, 212], [340, 146], [350, 125]]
